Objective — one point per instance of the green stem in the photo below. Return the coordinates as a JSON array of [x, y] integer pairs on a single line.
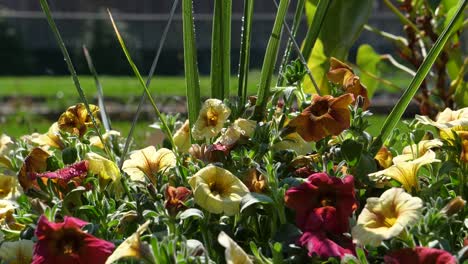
[[245, 51], [315, 26], [402, 17]]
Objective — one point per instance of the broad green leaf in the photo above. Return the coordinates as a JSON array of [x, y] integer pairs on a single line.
[[191, 212], [367, 59], [254, 198], [221, 49], [340, 29], [244, 59], [351, 151]]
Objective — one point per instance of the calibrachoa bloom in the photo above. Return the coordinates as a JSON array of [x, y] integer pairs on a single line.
[[149, 162], [175, 198], [9, 187], [384, 157], [240, 128], [35, 162], [325, 116], [211, 119], [106, 169], [96, 141], [5, 143], [405, 172], [420, 255], [49, 139], [341, 73], [76, 119], [417, 150], [182, 137], [386, 217], [217, 190], [7, 220], [233, 254], [75, 172], [322, 199], [65, 242], [17, 252], [295, 142], [318, 243], [447, 119]]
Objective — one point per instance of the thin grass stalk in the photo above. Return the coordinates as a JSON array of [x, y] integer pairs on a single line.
[[71, 69], [190, 62], [221, 49], [148, 82], [104, 116], [287, 52], [244, 60], [269, 62], [164, 127], [400, 107], [315, 26]]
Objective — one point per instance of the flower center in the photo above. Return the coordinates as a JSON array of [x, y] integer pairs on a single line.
[[389, 221], [319, 108], [211, 118], [216, 189], [69, 244]]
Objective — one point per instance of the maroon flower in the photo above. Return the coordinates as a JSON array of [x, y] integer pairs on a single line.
[[323, 202], [319, 244], [175, 198], [75, 172], [65, 242], [420, 255]]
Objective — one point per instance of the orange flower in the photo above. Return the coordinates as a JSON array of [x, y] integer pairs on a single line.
[[175, 198], [341, 73], [35, 162], [384, 157], [325, 116], [76, 119], [255, 181]]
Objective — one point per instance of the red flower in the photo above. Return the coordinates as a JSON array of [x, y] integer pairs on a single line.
[[323, 202], [76, 172], [325, 116], [65, 242], [318, 243], [420, 255], [175, 198]]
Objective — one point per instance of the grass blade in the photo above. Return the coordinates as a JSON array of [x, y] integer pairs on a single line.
[[269, 61], [190, 62], [71, 69], [221, 49], [315, 26], [148, 82], [164, 127], [244, 60], [296, 22], [105, 118], [421, 74]]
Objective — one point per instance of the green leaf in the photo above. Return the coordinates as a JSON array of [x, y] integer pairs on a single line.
[[191, 212], [190, 62], [351, 151], [421, 74], [244, 59], [341, 27], [221, 49], [461, 94], [368, 60], [269, 61], [254, 198]]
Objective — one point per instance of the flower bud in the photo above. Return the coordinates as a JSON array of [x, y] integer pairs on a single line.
[[454, 206]]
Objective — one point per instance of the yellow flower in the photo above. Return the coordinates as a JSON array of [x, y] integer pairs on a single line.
[[182, 137], [240, 127], [217, 190], [17, 252], [9, 187], [211, 119], [386, 217], [149, 162], [133, 247], [405, 172], [96, 141], [295, 142], [107, 171], [51, 138], [76, 119], [464, 141], [5, 143], [234, 254], [7, 220], [447, 119], [384, 157], [415, 151]]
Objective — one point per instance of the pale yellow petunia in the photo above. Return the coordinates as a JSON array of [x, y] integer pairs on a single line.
[[211, 119], [17, 252], [417, 150], [234, 254], [182, 138], [294, 142], [240, 127], [386, 217], [217, 190], [9, 187]]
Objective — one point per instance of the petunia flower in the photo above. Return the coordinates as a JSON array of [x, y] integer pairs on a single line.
[[49, 139], [323, 202], [5, 145], [182, 137], [447, 119], [455, 205], [417, 150], [107, 171], [7, 220], [17, 252], [76, 119], [340, 73], [217, 190], [318, 243], [134, 248], [386, 217], [35, 162], [384, 157], [65, 242], [72, 173], [240, 128], [255, 181], [149, 162], [419, 255], [295, 142], [405, 172], [9, 187], [175, 198], [96, 141], [211, 119], [233, 254], [325, 116]]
